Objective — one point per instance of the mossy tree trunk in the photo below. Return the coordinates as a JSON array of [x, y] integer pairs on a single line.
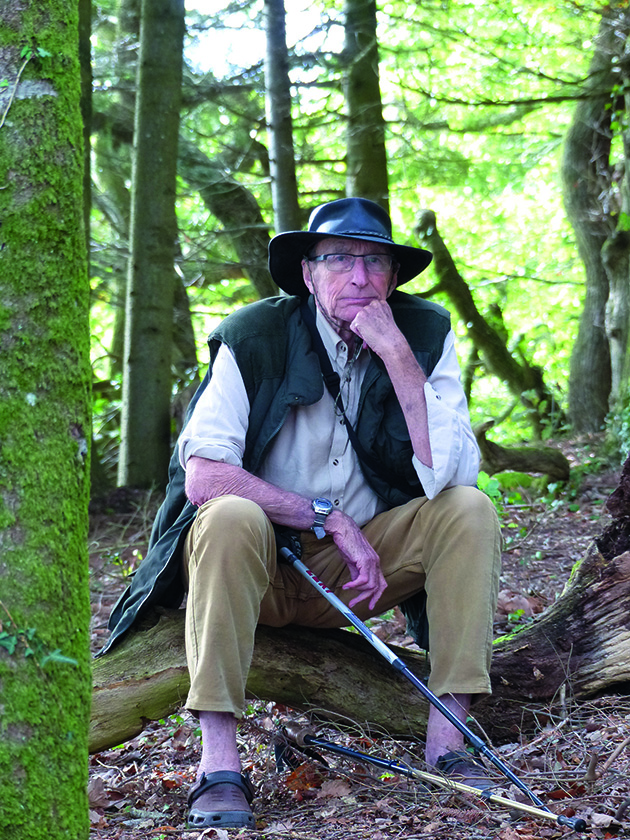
[[44, 427], [147, 381]]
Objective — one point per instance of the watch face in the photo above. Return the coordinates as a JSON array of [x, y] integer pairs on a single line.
[[322, 506]]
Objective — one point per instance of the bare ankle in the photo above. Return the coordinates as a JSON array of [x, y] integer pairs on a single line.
[[442, 735], [219, 749]]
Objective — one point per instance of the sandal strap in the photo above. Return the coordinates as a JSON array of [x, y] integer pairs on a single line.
[[446, 762], [222, 777]]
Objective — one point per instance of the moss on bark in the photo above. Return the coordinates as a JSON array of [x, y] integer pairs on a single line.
[[44, 428]]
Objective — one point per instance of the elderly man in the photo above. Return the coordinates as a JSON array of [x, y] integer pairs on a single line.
[[376, 476]]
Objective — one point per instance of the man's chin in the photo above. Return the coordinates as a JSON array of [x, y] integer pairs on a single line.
[[349, 311]]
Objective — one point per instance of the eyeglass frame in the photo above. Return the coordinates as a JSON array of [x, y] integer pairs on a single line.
[[324, 259]]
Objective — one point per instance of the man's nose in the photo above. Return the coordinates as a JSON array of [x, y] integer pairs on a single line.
[[359, 272]]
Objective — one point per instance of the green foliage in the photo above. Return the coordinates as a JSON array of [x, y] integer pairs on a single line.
[[476, 115], [491, 487], [508, 489]]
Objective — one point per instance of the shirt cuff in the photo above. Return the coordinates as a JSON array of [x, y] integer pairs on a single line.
[[212, 451]]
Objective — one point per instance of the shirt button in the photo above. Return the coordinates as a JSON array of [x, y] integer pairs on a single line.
[[336, 462], [336, 502]]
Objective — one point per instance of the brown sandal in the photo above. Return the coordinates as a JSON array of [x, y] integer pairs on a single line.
[[227, 797]]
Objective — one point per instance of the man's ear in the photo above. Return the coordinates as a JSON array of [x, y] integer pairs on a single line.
[[307, 276], [393, 282]]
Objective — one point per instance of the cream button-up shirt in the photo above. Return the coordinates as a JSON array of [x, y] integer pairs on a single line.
[[312, 454]]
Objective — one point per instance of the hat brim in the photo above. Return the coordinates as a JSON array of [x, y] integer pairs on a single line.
[[286, 251]]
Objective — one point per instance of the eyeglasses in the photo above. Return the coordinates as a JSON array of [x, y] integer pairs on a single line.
[[339, 263]]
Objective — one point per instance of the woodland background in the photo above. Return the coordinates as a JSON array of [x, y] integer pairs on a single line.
[[497, 135]]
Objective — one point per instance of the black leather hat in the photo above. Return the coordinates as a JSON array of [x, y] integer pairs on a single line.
[[348, 218]]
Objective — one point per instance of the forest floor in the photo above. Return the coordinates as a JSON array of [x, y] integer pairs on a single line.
[[579, 763]]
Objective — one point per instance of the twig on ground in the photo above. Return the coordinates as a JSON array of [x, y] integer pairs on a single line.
[[614, 754], [621, 810], [591, 774]]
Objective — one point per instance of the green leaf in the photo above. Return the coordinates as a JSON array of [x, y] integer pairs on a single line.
[[8, 642], [57, 656], [624, 221]]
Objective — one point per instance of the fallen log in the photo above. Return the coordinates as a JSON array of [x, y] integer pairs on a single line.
[[527, 459], [579, 645], [145, 678]]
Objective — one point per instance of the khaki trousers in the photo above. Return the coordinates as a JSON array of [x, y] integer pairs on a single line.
[[449, 545]]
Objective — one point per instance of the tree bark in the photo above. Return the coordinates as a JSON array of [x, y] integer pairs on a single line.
[[147, 382], [616, 259], [45, 384], [579, 646], [587, 174], [284, 192], [366, 165], [525, 381], [85, 60]]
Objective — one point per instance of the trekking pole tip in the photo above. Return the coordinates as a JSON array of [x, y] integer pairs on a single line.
[[576, 823]]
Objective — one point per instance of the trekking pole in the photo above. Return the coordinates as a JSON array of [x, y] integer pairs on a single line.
[[478, 745], [305, 739]]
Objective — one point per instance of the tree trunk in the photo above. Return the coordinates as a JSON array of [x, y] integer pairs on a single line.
[[616, 259], [525, 381], [44, 427], [366, 167], [147, 382], [579, 646], [85, 59], [284, 194], [588, 182]]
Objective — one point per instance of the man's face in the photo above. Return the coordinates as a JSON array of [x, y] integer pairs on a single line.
[[341, 295]]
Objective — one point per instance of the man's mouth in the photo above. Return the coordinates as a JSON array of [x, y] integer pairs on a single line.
[[360, 300]]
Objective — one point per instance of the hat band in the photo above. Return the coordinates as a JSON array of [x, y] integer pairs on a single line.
[[371, 233]]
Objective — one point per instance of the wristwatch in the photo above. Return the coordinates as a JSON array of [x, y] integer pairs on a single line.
[[322, 508]]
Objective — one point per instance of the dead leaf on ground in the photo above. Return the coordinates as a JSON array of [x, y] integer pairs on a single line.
[[334, 788], [305, 777]]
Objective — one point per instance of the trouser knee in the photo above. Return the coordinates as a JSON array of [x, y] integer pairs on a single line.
[[230, 531], [233, 514], [468, 511]]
